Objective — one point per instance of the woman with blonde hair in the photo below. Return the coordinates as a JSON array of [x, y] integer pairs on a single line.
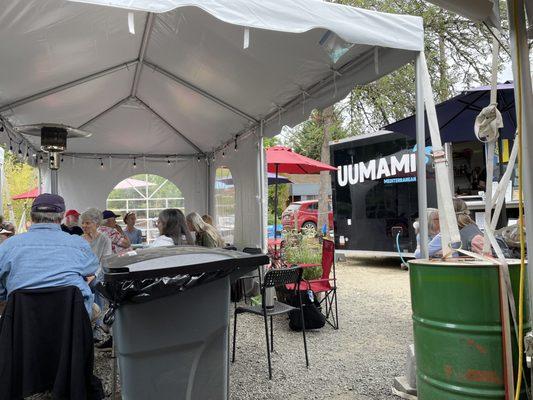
[[206, 235]]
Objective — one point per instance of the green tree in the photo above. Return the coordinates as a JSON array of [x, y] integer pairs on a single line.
[[458, 53], [20, 177], [307, 138]]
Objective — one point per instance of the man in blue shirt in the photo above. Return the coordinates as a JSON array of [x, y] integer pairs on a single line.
[[46, 256]]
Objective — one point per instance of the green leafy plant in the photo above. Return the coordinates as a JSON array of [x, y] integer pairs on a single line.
[[304, 248]]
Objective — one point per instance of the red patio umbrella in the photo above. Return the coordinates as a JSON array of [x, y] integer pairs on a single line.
[[283, 160], [31, 194]]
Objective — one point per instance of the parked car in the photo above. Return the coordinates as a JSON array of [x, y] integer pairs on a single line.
[[306, 213]]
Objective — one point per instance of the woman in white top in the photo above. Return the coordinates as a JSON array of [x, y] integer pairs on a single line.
[[99, 242], [173, 229]]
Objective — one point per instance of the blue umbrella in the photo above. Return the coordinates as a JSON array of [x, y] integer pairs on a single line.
[[272, 180], [456, 116]]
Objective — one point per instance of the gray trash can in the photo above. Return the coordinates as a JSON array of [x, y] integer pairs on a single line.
[[171, 326]]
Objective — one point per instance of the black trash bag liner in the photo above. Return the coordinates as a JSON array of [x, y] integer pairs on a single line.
[[144, 290]]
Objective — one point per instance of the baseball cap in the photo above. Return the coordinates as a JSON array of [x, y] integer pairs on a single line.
[[48, 202], [72, 212], [109, 214]]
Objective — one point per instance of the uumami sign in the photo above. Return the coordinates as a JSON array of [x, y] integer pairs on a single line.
[[384, 167]]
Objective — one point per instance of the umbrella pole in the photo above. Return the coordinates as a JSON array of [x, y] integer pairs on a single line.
[[276, 210]]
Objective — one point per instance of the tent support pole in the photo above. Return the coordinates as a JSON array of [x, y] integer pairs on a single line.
[[189, 141], [142, 51], [421, 159], [209, 202], [527, 120], [261, 187], [66, 86], [201, 92], [104, 112], [54, 184]]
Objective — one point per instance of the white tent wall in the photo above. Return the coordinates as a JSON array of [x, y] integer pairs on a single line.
[[186, 83], [83, 183], [244, 167]]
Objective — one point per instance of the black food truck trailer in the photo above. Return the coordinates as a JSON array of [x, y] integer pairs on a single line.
[[374, 191]]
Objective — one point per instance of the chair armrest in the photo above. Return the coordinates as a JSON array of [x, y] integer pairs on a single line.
[[309, 265]]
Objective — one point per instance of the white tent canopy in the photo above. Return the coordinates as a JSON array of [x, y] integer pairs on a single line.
[[195, 78], [477, 10]]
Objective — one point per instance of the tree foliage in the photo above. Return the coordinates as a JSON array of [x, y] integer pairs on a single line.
[[458, 53], [307, 138], [20, 178]]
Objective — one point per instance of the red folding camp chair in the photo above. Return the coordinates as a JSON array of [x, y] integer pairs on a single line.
[[326, 284]]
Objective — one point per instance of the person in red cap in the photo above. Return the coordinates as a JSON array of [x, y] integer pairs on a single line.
[[71, 224]]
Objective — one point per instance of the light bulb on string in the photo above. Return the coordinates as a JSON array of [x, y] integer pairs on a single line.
[[27, 153], [62, 159], [41, 158], [235, 143], [223, 153], [134, 163], [20, 151], [198, 159], [101, 163], [10, 145], [168, 162]]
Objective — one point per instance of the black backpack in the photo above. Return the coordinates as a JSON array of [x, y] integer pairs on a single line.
[[313, 318]]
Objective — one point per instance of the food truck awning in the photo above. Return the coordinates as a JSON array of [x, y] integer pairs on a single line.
[[181, 82], [457, 115]]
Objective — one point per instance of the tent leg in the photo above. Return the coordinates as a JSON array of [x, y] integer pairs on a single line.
[[519, 44], [421, 160]]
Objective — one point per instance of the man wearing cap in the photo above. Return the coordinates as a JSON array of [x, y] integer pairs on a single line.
[[71, 225], [119, 241], [45, 256]]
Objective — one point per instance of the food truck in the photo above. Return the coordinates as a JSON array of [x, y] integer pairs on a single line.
[[374, 191]]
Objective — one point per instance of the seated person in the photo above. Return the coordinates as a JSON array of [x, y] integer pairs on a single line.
[[208, 219], [134, 235], [7, 230], [471, 235], [45, 256], [173, 229], [119, 241], [206, 235], [71, 225], [434, 247]]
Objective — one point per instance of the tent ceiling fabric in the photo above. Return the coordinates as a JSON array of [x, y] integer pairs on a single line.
[[198, 87], [477, 10]]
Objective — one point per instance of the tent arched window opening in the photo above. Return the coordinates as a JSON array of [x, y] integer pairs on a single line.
[[146, 195], [225, 204]]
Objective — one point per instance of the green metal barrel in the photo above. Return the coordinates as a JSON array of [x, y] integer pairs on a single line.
[[457, 329]]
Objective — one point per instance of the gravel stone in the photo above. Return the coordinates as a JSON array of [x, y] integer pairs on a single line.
[[357, 362]]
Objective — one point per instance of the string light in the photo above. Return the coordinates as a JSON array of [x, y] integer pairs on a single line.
[[134, 163], [41, 158], [20, 151], [62, 158], [101, 163], [10, 145], [168, 162], [27, 153], [198, 159], [235, 143], [223, 153]]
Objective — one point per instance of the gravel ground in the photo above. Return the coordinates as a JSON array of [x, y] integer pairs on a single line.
[[358, 362]]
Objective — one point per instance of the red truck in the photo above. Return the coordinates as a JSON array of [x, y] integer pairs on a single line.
[[306, 213]]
